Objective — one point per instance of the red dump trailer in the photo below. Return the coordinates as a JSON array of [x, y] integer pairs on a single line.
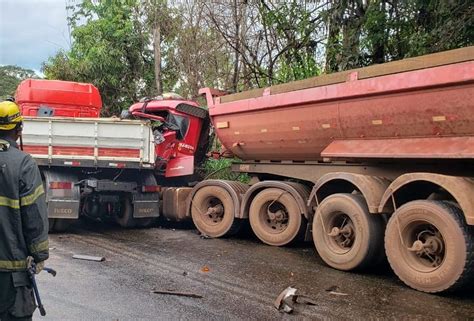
[[371, 162]]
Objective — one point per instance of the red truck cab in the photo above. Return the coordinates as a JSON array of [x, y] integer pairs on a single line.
[[39, 97], [181, 132]]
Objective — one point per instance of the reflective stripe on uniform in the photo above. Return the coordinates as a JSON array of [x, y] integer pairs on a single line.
[[41, 246], [13, 265], [31, 198], [9, 202]]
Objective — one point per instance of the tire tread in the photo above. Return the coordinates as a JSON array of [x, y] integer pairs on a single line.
[[467, 276]]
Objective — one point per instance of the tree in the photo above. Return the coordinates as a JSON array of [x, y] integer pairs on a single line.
[[135, 48], [362, 33], [161, 21], [274, 41], [10, 78], [196, 55], [111, 50]]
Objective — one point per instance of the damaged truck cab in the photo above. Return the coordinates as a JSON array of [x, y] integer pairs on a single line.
[[110, 169], [181, 133]]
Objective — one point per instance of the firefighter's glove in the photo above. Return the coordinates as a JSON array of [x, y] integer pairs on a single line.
[[39, 267]]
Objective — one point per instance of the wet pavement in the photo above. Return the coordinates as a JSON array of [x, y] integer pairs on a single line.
[[239, 279]]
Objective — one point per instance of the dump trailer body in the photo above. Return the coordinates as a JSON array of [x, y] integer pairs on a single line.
[[382, 112], [368, 163]]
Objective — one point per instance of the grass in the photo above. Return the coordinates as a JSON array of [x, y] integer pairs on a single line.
[[221, 169]]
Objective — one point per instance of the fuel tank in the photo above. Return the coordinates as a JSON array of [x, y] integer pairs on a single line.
[[420, 107]]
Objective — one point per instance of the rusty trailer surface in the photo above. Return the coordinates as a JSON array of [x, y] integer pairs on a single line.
[[426, 113]]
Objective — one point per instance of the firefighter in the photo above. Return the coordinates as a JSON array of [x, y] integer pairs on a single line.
[[23, 219]]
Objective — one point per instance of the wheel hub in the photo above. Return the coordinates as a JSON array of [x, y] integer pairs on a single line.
[[215, 213], [428, 247], [277, 219], [343, 235]]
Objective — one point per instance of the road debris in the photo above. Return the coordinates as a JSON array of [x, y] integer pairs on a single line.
[[288, 298], [205, 268], [88, 258], [334, 290], [338, 293], [171, 292]]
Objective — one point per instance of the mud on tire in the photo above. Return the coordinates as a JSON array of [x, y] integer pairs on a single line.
[[275, 217], [346, 236], [212, 211], [430, 247]]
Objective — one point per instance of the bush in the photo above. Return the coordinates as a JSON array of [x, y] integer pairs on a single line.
[[221, 169]]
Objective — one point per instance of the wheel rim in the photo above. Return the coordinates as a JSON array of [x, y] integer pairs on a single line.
[[213, 212], [425, 246], [340, 233], [273, 217]]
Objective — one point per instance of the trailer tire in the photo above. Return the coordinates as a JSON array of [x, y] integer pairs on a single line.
[[347, 237], [275, 217], [430, 247], [125, 217], [212, 211], [58, 225]]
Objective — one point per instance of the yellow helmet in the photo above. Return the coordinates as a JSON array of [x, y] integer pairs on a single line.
[[10, 115]]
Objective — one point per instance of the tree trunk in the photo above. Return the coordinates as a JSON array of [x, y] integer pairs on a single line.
[[235, 76], [157, 53], [333, 47]]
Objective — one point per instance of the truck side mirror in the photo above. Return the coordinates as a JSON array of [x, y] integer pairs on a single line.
[[125, 114]]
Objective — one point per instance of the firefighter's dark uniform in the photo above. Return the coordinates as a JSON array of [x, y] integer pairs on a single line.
[[23, 229]]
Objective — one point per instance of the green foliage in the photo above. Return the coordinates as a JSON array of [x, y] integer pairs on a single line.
[[220, 169], [10, 77], [363, 33], [295, 25], [111, 49]]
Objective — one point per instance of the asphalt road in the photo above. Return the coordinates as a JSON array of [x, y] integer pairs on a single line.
[[239, 278]]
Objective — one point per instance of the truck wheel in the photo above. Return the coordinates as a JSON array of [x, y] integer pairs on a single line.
[[212, 211], [275, 217], [58, 224], [346, 235], [124, 217], [430, 247]]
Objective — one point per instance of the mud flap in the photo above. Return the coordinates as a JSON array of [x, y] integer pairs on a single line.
[[62, 203], [63, 209], [146, 205]]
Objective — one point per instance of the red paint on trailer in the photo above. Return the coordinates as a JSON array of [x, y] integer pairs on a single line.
[[435, 147], [299, 125]]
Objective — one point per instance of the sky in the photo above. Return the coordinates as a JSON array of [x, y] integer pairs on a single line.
[[31, 31]]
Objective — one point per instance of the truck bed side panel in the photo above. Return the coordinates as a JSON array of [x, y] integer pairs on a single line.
[[92, 141]]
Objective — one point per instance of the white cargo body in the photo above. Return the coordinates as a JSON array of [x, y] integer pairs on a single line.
[[102, 168], [89, 142]]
